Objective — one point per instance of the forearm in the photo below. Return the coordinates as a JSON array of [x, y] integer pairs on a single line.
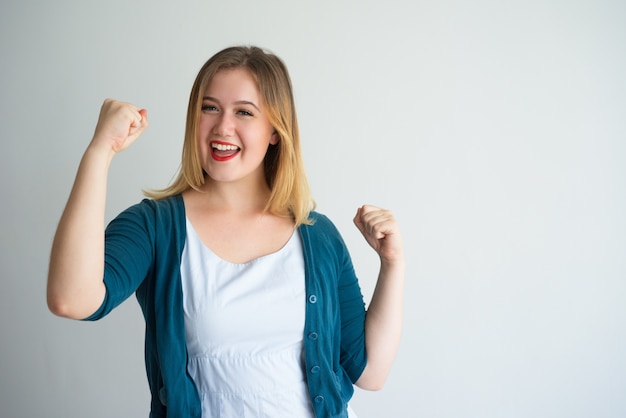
[[383, 325], [75, 277]]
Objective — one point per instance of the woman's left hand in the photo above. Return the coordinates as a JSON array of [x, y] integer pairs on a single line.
[[381, 231]]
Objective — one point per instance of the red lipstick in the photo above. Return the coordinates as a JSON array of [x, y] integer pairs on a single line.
[[223, 151]]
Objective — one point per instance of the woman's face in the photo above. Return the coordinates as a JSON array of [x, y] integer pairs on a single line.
[[233, 129]]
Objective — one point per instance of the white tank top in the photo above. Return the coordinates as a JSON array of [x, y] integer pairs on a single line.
[[244, 325]]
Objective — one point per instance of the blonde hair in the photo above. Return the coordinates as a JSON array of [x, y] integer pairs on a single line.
[[283, 165]]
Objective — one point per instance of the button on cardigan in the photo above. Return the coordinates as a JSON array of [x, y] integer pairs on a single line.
[[143, 247]]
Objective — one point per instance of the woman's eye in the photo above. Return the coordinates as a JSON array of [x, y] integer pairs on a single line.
[[208, 108], [244, 112]]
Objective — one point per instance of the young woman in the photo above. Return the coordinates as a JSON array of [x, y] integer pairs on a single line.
[[251, 303]]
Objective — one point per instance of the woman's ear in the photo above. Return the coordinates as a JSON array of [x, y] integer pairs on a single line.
[[274, 138]]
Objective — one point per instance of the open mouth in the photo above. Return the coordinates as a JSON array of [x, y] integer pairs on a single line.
[[222, 151]]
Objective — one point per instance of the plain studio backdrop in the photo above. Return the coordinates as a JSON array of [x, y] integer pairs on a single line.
[[496, 131]]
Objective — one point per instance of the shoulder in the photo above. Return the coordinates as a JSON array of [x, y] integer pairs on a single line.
[[320, 220], [169, 204], [151, 222], [322, 230], [151, 212], [320, 223]]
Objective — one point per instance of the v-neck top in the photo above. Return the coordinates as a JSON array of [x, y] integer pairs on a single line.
[[244, 325]]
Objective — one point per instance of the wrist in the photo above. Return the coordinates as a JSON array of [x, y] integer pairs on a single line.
[[393, 264], [100, 149]]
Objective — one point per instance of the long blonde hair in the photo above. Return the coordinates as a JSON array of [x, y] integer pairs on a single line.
[[283, 164]]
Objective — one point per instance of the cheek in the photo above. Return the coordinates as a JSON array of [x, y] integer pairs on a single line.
[[203, 131], [204, 126], [201, 144], [261, 136]]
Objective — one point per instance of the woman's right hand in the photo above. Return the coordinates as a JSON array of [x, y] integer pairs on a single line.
[[75, 278], [119, 125]]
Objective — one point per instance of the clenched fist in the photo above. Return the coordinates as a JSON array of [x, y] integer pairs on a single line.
[[119, 125], [381, 231]]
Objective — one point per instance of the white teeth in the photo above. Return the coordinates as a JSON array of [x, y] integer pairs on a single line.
[[222, 147]]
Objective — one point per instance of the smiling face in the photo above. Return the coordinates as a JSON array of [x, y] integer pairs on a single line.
[[233, 129]]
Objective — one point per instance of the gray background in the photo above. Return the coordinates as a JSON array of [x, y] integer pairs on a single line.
[[495, 130]]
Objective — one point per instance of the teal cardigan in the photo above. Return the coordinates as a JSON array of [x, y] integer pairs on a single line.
[[143, 248]]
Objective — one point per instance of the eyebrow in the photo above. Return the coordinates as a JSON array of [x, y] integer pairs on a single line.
[[238, 102]]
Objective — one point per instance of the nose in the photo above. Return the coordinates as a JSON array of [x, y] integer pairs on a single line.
[[224, 125]]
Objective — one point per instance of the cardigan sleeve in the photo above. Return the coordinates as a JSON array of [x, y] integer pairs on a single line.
[[351, 333], [353, 356], [129, 249]]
